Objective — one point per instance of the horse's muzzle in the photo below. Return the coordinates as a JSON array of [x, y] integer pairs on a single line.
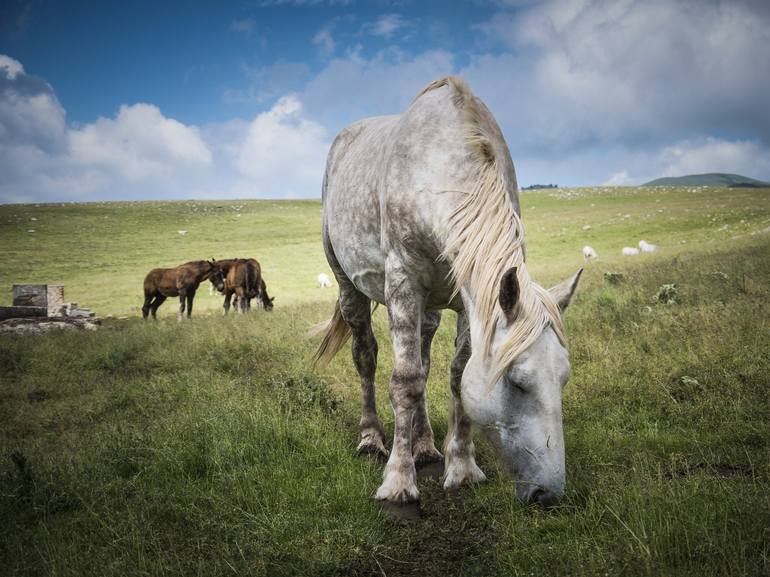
[[536, 495]]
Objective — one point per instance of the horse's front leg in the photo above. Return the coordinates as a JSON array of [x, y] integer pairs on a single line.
[[226, 305], [423, 446], [190, 297], [182, 298], [399, 483], [460, 462]]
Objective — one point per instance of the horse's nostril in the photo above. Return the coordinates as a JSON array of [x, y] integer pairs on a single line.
[[545, 499]]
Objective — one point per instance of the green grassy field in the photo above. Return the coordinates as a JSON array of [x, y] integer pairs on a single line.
[[211, 448]]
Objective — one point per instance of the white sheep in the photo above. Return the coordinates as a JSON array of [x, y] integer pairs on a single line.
[[647, 247], [629, 251], [324, 280], [589, 253]]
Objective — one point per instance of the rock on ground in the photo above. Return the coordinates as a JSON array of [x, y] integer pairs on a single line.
[[34, 326]]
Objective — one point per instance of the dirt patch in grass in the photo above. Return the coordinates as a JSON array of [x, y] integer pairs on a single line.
[[452, 536]]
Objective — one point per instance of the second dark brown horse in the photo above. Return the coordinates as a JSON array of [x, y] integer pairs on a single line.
[[243, 278]]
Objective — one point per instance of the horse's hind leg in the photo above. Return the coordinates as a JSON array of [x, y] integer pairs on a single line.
[[240, 303], [159, 300], [423, 446], [146, 307], [460, 463], [356, 310]]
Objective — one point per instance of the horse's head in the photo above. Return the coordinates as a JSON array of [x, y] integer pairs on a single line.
[[216, 275], [267, 302], [521, 413]]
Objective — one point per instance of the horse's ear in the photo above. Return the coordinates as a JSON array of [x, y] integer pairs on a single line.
[[509, 291], [563, 291]]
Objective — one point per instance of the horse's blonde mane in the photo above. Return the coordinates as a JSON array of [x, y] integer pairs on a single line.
[[486, 238]]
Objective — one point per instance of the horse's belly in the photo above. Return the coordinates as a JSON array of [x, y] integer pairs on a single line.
[[167, 287]]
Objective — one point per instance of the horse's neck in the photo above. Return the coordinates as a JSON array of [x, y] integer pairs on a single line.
[[472, 318]]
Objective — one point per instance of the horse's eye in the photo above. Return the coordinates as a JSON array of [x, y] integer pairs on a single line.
[[514, 383]]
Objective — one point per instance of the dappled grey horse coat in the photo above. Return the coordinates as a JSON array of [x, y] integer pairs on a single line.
[[421, 213]]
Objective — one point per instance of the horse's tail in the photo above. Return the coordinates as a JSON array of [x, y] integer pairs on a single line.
[[337, 332], [252, 282]]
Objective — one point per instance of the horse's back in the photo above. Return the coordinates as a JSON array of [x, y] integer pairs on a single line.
[[244, 274], [391, 184]]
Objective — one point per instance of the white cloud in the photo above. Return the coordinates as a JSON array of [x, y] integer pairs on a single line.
[[325, 42], [139, 143], [353, 87], [748, 158], [139, 152], [385, 25], [30, 113], [585, 90], [603, 70], [283, 153], [10, 67], [619, 178], [267, 83]]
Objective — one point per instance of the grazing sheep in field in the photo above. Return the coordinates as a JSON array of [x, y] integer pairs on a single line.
[[629, 251], [589, 253], [646, 247], [324, 280], [182, 232]]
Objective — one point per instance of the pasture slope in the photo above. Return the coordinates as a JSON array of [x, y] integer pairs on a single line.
[[211, 448]]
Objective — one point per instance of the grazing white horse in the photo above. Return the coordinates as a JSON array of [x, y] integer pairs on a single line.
[[421, 213], [647, 247], [324, 280], [589, 253], [629, 251]]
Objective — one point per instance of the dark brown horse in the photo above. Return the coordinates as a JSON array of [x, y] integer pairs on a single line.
[[182, 281], [243, 278]]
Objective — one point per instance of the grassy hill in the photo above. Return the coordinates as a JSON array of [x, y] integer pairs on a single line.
[[718, 179], [102, 251], [211, 447]]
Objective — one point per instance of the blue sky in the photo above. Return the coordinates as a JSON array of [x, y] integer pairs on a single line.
[[102, 101]]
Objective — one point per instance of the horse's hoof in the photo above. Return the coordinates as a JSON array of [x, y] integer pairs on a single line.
[[427, 456], [372, 446], [398, 488], [460, 472]]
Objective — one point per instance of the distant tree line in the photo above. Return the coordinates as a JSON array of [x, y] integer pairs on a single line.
[[539, 186]]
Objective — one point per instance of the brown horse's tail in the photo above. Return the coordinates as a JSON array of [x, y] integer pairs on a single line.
[[337, 332], [252, 282]]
